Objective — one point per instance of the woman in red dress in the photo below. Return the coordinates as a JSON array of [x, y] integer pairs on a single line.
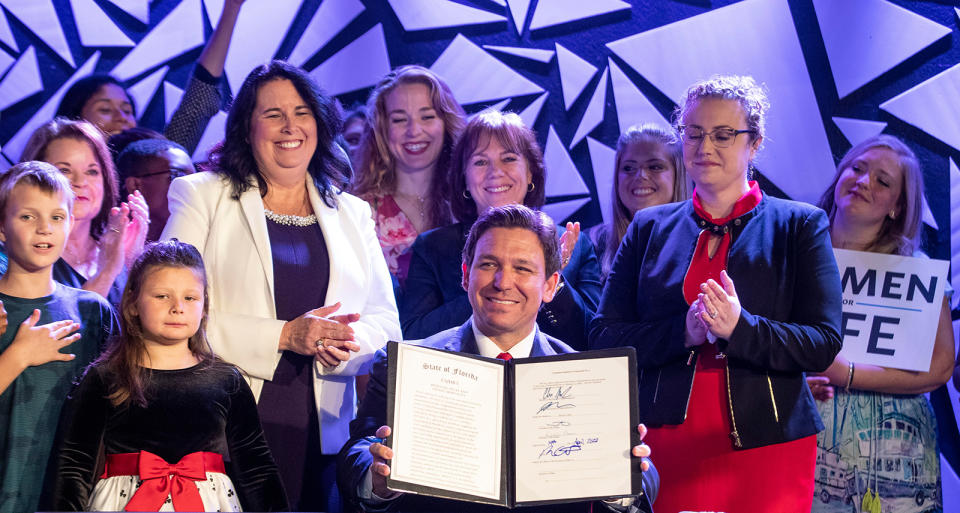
[[729, 298]]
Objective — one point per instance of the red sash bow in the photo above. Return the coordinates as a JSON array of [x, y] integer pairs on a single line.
[[162, 479]]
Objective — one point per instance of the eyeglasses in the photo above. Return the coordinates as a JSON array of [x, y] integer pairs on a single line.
[[173, 173], [720, 137]]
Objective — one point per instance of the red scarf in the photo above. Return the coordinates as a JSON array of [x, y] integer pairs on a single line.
[[702, 266]]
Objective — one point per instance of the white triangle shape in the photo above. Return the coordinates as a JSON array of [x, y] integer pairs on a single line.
[[5, 61], [142, 92], [435, 14], [270, 21], [171, 100], [518, 10], [6, 35], [360, 64], [563, 179], [14, 147], [555, 12], [532, 112], [180, 31], [633, 108], [497, 106], [331, 17], [575, 74], [139, 9], [40, 16], [927, 217], [604, 160], [956, 11], [535, 54], [676, 55], [476, 76], [213, 134], [955, 225], [96, 29], [865, 38], [563, 210], [858, 130], [593, 116], [932, 106], [22, 81], [501, 2]]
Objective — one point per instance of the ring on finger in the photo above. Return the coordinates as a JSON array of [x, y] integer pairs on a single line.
[[321, 343], [713, 314]]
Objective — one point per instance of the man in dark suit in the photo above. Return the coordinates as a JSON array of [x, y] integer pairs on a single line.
[[510, 267]]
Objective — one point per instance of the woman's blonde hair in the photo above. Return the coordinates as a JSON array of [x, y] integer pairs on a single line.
[[610, 235], [899, 235]]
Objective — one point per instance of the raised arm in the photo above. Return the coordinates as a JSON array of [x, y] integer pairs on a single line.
[[202, 99]]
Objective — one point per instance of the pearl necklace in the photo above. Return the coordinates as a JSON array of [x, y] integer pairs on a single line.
[[289, 219]]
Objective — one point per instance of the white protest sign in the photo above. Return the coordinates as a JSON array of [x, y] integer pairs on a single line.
[[891, 308]]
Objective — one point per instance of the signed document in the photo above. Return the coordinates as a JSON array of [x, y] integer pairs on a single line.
[[530, 431]]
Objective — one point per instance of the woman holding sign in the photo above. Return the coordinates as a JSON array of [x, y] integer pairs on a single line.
[[728, 298], [880, 445]]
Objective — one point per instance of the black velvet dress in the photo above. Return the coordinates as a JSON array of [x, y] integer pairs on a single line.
[[207, 407]]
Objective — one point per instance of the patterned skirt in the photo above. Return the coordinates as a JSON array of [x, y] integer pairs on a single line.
[[113, 493], [145, 482]]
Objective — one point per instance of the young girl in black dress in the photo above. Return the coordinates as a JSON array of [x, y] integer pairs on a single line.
[[160, 411]]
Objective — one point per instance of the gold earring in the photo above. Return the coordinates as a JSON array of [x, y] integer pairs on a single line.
[[893, 214], [530, 187]]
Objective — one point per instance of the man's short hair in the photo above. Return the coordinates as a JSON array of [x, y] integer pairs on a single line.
[[129, 159], [517, 216], [38, 174]]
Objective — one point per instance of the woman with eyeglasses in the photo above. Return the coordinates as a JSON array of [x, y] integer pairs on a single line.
[[728, 298]]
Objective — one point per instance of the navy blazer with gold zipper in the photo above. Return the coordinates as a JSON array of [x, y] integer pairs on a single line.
[[787, 281]]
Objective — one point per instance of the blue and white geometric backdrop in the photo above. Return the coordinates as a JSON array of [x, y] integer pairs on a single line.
[[579, 71]]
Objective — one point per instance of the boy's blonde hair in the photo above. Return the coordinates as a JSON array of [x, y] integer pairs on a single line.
[[36, 174]]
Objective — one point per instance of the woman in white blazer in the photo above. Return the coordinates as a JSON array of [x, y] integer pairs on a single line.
[[300, 294]]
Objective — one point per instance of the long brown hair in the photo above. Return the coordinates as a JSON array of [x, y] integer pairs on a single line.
[[123, 362], [377, 170], [900, 235], [607, 237]]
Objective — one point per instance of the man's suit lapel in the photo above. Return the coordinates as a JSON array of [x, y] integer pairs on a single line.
[[252, 206], [541, 347], [463, 341]]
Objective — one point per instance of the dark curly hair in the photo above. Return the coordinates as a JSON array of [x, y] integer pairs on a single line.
[[329, 167]]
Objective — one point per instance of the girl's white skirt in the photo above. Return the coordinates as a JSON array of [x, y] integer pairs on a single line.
[[113, 493]]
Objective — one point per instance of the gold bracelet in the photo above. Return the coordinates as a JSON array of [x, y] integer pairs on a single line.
[[849, 378]]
